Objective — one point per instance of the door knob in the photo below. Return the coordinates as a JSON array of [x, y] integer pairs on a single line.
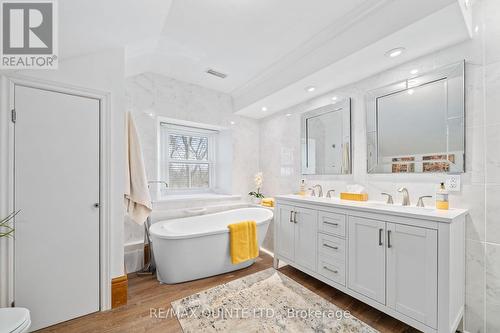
[[96, 205]]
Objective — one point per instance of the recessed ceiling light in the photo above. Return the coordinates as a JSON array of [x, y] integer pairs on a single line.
[[310, 89], [232, 122], [476, 29], [414, 71], [410, 91], [334, 98], [467, 4], [264, 109], [288, 114], [395, 52]]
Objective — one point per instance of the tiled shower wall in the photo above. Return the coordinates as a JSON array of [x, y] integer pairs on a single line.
[[280, 157]]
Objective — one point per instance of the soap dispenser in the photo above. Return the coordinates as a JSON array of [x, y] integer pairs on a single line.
[[302, 190], [442, 201]]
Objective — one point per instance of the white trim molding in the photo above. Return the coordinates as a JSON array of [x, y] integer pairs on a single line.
[[7, 84]]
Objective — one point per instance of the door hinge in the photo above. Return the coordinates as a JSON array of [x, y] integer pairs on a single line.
[[13, 115]]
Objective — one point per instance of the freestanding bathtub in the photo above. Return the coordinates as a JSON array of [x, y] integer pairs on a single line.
[[195, 247]]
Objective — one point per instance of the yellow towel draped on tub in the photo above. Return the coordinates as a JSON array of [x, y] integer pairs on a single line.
[[243, 241]]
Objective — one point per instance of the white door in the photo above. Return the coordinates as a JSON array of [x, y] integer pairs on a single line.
[[306, 235], [412, 272], [285, 229], [56, 188], [367, 257]]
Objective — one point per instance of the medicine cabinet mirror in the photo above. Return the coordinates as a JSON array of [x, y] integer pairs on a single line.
[[326, 139], [418, 125]]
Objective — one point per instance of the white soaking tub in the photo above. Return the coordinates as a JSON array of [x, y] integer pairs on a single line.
[[195, 247]]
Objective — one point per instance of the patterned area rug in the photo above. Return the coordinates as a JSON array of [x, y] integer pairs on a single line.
[[267, 301]]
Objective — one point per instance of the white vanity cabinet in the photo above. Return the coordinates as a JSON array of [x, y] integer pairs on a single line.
[[408, 262], [297, 225]]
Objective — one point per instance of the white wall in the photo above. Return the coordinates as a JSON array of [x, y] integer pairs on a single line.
[[102, 71], [280, 158], [171, 98]]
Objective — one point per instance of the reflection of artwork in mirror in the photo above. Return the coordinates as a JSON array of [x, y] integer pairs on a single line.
[[326, 140], [417, 126]]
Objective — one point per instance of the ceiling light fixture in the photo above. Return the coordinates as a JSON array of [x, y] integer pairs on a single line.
[[288, 114], [310, 89], [232, 122], [414, 71], [395, 52], [264, 109], [335, 98], [410, 91]]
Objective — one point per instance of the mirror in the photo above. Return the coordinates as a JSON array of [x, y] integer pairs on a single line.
[[326, 139], [418, 125]]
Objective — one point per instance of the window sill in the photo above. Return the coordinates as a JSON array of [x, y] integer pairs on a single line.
[[196, 196]]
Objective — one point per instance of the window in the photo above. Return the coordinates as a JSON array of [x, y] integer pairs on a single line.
[[187, 156]]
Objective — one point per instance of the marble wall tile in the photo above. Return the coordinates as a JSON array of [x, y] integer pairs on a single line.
[[492, 288], [492, 140], [492, 84], [475, 286], [493, 213]]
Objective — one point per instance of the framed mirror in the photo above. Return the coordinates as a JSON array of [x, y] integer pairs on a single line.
[[418, 125], [326, 139]]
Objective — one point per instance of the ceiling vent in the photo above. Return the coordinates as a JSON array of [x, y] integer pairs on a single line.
[[215, 73]]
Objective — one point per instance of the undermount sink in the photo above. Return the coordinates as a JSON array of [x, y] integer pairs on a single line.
[[379, 206]]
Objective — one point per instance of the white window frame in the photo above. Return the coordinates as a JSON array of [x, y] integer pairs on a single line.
[[183, 128]]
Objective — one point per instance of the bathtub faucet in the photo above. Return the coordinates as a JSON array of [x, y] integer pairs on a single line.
[[158, 182]]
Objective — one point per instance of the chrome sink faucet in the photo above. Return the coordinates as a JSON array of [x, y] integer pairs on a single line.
[[320, 190], [421, 200], [389, 198], [406, 196], [329, 193]]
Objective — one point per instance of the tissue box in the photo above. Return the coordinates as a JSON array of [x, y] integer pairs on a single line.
[[354, 196]]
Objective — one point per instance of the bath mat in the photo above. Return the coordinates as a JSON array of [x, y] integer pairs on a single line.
[[267, 301]]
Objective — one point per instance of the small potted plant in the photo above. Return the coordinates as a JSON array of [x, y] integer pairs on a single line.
[[5, 229], [256, 195]]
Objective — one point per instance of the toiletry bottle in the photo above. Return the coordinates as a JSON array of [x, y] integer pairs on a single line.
[[302, 190], [442, 198]]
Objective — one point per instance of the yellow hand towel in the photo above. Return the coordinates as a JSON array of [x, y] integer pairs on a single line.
[[268, 202], [243, 241]]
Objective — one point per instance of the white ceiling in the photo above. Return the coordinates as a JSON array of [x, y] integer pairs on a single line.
[[240, 38], [270, 49], [443, 28], [88, 26]]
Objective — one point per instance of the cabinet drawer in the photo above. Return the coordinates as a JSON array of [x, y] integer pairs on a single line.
[[332, 223], [332, 246], [331, 269]]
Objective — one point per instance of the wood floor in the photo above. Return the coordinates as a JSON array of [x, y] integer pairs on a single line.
[[145, 293]]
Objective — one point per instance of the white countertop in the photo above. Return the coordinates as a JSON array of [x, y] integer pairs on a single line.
[[428, 213]]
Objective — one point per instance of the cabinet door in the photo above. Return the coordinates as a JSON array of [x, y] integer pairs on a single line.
[[367, 257], [412, 272], [306, 235], [285, 232]]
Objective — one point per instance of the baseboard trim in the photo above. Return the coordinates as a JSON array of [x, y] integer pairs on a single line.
[[119, 291]]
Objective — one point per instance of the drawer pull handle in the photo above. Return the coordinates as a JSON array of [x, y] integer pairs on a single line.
[[331, 247], [380, 231], [291, 216], [331, 270], [331, 223]]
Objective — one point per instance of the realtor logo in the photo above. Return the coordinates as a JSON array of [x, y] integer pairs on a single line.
[[28, 34]]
